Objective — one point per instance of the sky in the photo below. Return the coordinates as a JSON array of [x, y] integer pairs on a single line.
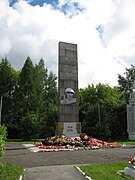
[[104, 31]]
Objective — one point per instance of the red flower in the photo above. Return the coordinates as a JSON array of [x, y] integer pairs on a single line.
[[132, 161]]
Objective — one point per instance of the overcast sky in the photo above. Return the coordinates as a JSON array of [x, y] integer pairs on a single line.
[[104, 31]]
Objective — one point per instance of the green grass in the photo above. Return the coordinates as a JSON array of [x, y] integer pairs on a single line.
[[10, 171], [127, 142], [20, 141], [104, 171]]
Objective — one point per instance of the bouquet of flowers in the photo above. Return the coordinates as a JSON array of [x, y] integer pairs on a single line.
[[132, 162]]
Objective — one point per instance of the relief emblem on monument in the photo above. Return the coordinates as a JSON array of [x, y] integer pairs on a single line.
[[69, 97]]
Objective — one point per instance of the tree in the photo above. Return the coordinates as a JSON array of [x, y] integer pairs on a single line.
[[28, 101], [99, 107], [126, 82], [7, 77], [42, 75], [8, 83], [50, 105]]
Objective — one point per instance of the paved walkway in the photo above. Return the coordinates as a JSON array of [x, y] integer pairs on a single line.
[[60, 165], [62, 172]]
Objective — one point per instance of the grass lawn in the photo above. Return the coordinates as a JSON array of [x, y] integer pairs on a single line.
[[104, 171], [20, 141], [10, 171], [128, 142]]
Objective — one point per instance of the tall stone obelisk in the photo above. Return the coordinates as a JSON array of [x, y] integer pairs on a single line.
[[68, 118]]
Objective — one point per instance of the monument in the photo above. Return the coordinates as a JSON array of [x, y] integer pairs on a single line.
[[68, 115], [131, 115]]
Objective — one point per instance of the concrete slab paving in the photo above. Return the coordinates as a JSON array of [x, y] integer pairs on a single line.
[[31, 147], [61, 172]]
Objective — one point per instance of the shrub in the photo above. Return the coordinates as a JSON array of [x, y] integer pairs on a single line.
[[3, 136]]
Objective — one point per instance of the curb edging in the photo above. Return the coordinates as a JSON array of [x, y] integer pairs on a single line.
[[83, 173]]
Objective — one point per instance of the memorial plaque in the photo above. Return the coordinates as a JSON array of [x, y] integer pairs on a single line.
[[68, 90]]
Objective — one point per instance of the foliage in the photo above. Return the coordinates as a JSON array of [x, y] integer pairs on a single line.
[[30, 109], [7, 78], [10, 171], [49, 100], [3, 136], [8, 83], [106, 171], [29, 99], [102, 111], [30, 126], [127, 81]]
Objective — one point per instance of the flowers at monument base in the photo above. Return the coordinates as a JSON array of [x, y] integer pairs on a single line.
[[38, 144], [78, 143]]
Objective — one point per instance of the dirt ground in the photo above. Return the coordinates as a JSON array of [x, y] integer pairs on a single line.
[[20, 155]]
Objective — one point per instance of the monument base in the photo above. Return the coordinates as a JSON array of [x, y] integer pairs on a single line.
[[69, 129], [131, 136]]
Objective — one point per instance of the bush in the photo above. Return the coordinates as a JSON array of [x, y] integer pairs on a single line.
[[3, 136], [10, 171]]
